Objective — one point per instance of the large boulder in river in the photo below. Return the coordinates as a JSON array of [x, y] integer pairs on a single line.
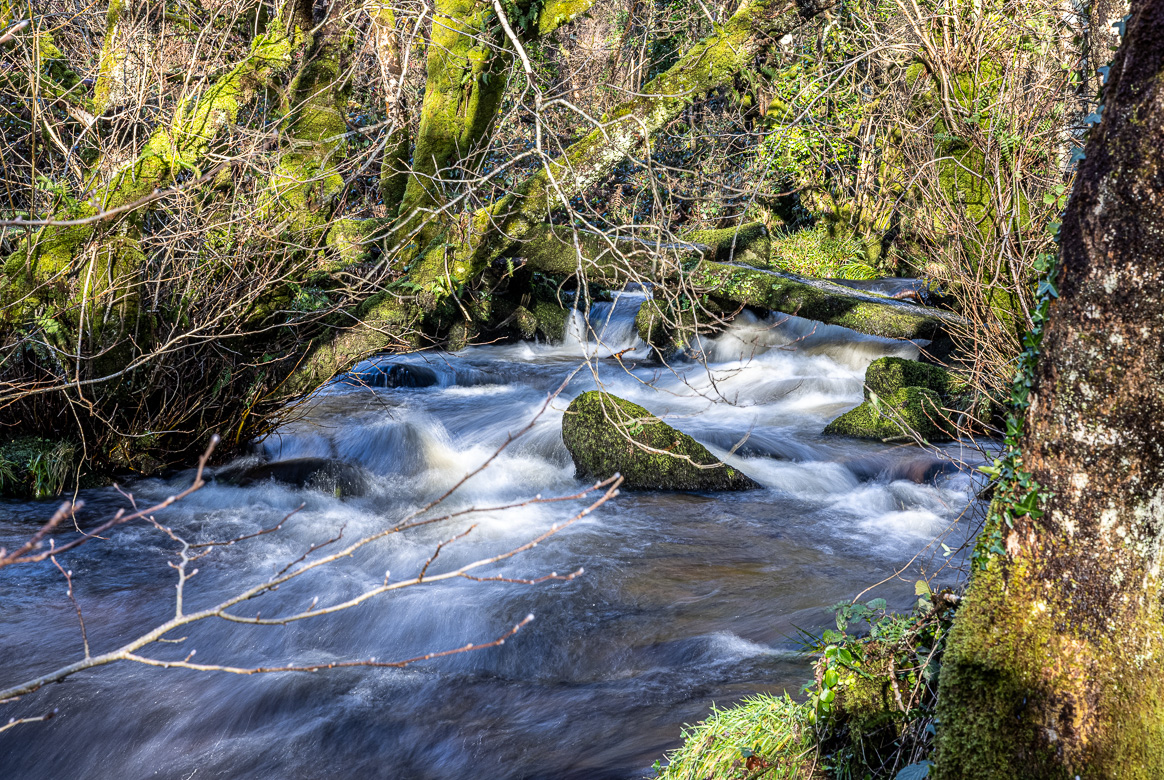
[[903, 398], [890, 374], [607, 435]]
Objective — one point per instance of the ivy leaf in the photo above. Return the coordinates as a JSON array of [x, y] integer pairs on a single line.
[[918, 771]]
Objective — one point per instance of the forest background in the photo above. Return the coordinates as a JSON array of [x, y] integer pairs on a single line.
[[211, 208]]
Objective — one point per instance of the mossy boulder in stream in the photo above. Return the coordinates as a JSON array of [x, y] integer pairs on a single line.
[[902, 398], [607, 435], [910, 410], [890, 374]]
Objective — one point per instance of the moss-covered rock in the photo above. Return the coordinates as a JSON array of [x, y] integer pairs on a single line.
[[551, 319], [526, 322], [904, 397], [910, 410], [34, 467], [890, 374], [670, 331], [651, 325], [607, 435]]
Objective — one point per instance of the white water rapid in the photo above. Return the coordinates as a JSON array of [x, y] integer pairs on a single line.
[[686, 599]]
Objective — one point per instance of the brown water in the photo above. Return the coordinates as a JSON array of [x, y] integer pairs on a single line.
[[686, 600]]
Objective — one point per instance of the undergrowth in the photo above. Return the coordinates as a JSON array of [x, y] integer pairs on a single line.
[[869, 712], [762, 735], [821, 253]]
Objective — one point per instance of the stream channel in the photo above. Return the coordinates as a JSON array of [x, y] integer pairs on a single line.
[[686, 600]]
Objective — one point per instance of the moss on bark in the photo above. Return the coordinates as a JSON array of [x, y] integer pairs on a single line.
[[383, 323], [466, 78], [1053, 665], [307, 178]]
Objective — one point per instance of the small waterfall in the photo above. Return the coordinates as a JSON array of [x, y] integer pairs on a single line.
[[608, 328]]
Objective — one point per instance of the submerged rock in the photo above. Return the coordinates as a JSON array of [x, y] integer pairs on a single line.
[[329, 475], [924, 469], [607, 435], [391, 375], [902, 397]]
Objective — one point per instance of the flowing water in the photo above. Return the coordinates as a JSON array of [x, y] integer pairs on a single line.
[[686, 599]]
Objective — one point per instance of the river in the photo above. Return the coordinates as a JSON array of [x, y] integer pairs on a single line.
[[686, 599]]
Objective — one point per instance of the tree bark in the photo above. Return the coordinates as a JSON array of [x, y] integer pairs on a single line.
[[1053, 667]]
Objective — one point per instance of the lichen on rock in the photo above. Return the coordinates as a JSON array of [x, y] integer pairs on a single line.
[[607, 435]]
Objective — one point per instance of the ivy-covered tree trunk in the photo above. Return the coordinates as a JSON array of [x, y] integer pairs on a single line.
[[1053, 666]]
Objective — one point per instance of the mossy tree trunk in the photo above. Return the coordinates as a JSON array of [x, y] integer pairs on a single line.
[[393, 42], [500, 227], [468, 63], [1053, 667], [307, 181], [467, 72], [447, 135]]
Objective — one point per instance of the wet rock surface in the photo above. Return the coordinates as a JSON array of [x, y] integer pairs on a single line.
[[330, 475], [389, 375]]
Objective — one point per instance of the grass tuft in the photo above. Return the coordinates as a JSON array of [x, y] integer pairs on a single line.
[[762, 736]]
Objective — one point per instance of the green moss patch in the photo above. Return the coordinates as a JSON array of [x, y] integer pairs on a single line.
[[549, 320], [607, 435], [890, 374], [908, 411], [904, 398]]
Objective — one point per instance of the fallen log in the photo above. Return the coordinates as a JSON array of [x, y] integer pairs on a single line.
[[614, 262]]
